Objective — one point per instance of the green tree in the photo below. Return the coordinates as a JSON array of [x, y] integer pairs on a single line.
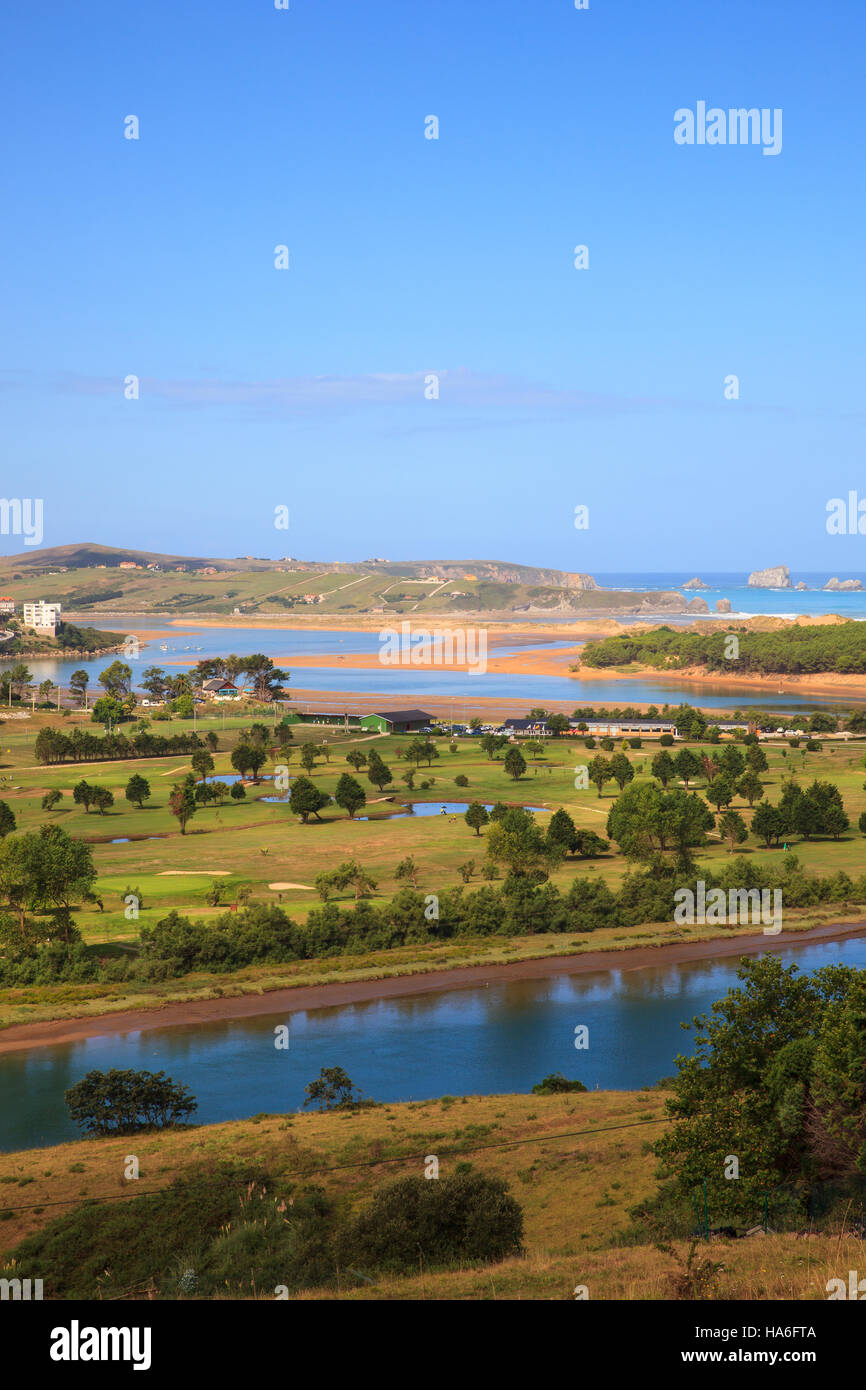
[[429, 750], [51, 799], [687, 766], [350, 795], [767, 823], [82, 795], [621, 770], [78, 683], [556, 1084], [202, 763], [557, 725], [127, 1102], [561, 831], [749, 1088], [720, 792], [515, 763], [378, 773], [599, 772], [103, 799], [305, 799], [407, 871], [309, 753], [732, 762], [733, 829], [331, 1088], [137, 790], [648, 823], [182, 805], [750, 786], [476, 816], [517, 842], [107, 710], [155, 682], [17, 677], [663, 767], [116, 679], [757, 758]]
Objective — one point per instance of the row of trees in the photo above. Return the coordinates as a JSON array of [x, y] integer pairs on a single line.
[[55, 746], [521, 906], [48, 880]]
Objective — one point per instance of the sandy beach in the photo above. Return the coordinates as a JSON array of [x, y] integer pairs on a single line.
[[24, 1036]]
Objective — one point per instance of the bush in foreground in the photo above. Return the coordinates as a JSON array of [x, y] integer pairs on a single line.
[[465, 1218]]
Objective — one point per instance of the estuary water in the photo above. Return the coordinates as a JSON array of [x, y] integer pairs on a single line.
[[401, 686], [474, 1040]]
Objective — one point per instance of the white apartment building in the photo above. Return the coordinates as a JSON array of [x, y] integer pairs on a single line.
[[43, 617]]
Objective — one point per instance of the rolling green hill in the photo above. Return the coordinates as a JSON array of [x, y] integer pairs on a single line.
[[93, 578]]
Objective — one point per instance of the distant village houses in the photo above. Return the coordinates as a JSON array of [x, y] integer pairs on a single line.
[[220, 690]]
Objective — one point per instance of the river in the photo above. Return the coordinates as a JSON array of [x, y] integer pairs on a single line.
[[475, 1040], [185, 646]]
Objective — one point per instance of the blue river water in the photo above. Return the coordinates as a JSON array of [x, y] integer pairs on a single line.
[[182, 647], [474, 1040]]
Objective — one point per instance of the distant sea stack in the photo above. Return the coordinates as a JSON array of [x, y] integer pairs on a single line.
[[723, 605], [697, 605], [801, 585], [775, 578], [695, 584], [843, 586]]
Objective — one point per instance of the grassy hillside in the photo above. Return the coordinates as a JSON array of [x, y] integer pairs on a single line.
[[575, 1163], [87, 578]]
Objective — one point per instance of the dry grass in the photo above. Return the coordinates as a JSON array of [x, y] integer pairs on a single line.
[[575, 1189]]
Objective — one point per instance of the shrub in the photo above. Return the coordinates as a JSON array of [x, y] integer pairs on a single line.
[[467, 1217], [461, 780], [111, 1247], [556, 1084]]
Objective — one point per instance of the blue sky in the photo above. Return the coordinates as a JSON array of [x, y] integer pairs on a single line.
[[557, 387]]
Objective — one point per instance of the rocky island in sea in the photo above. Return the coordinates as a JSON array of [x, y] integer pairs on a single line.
[[777, 577]]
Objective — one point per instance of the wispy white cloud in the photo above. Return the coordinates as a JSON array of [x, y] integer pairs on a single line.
[[459, 388]]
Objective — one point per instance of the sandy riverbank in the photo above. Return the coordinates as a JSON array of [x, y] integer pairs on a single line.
[[824, 683], [25, 1036]]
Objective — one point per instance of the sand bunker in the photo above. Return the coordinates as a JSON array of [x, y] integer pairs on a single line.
[[307, 886]]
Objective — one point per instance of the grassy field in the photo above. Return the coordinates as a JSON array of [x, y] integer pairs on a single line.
[[575, 1163], [278, 590], [255, 843]]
